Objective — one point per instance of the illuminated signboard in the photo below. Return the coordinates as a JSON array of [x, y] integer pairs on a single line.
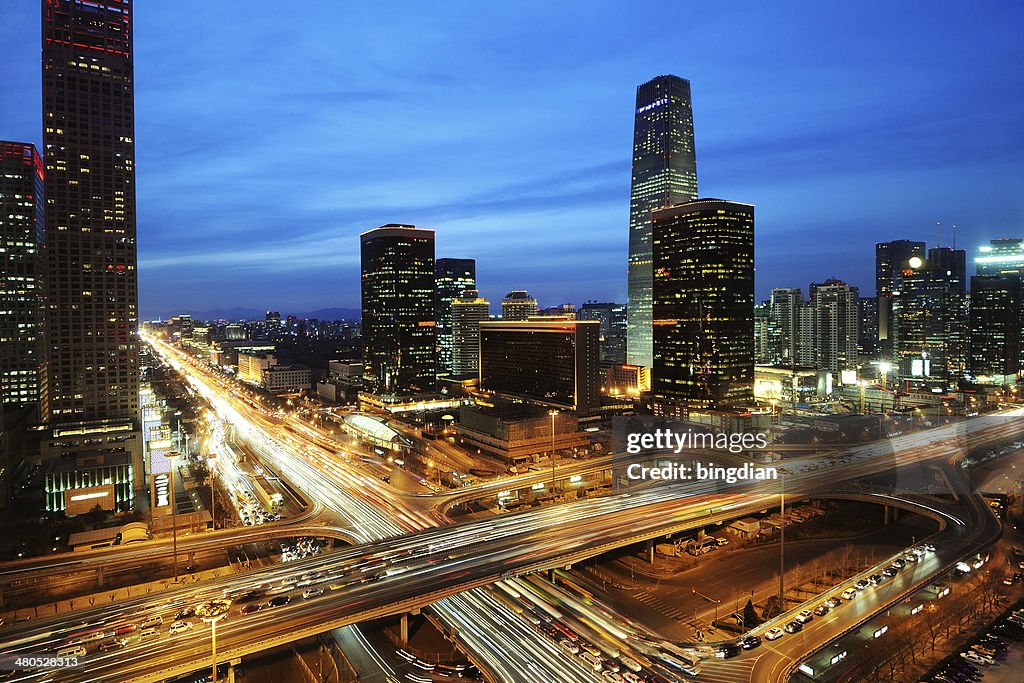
[[162, 490]]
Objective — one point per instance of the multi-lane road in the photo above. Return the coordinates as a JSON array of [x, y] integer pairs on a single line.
[[412, 568]]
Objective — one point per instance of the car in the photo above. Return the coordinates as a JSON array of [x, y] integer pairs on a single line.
[[727, 650], [312, 593], [279, 601], [976, 658], [930, 547], [910, 557], [180, 627], [984, 650], [750, 642], [152, 621], [849, 594], [821, 610], [774, 633], [876, 579], [569, 646], [899, 563], [861, 584], [185, 613], [890, 571], [918, 551], [805, 616], [251, 607], [149, 633], [111, 645], [834, 602], [793, 627]]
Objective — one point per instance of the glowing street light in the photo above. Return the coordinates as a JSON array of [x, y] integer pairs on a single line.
[[211, 612]]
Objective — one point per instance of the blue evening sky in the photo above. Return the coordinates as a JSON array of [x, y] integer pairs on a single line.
[[270, 134]]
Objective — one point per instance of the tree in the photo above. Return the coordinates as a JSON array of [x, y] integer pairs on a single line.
[[772, 608], [750, 618]]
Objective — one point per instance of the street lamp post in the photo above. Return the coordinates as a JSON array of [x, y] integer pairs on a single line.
[[211, 612], [552, 413], [174, 513]]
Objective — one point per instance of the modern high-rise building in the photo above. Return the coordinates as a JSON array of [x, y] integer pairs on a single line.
[[91, 279], [567, 311], [398, 327], [929, 318], [664, 174], [22, 298], [1000, 256], [794, 327], [766, 335], [996, 320], [703, 307], [868, 344], [836, 325], [612, 317], [455, 277], [468, 310], [518, 305], [549, 361], [891, 258]]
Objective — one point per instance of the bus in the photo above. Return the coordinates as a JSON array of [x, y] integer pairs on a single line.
[[695, 547]]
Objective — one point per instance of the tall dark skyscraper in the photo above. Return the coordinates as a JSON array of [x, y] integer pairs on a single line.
[[996, 320], [399, 331], [92, 284], [928, 328], [455, 276], [890, 259], [664, 174], [703, 306], [22, 352]]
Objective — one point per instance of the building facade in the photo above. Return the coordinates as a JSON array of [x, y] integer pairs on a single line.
[[612, 317], [468, 311], [703, 307], [891, 258], [455, 276], [22, 344], [398, 327], [664, 173], [996, 321], [91, 278], [553, 362], [518, 305], [836, 325]]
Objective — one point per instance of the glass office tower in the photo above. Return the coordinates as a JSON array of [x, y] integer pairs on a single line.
[[664, 174]]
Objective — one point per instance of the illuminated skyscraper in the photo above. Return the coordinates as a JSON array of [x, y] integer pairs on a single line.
[[22, 352], [92, 284], [468, 311], [455, 276], [664, 174], [550, 361], [891, 258], [518, 305], [1001, 256], [836, 316], [398, 329], [703, 307], [996, 319]]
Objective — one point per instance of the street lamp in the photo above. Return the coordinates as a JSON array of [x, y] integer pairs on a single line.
[[171, 455], [552, 413], [211, 612]]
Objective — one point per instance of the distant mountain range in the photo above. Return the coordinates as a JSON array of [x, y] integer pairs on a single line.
[[239, 313]]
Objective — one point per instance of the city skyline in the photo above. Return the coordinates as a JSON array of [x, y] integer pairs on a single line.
[[877, 124]]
